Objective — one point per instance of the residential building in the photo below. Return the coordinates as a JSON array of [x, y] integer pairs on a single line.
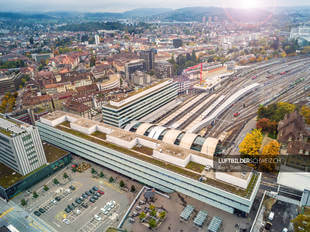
[[97, 39], [20, 146], [163, 69], [10, 82], [137, 104]]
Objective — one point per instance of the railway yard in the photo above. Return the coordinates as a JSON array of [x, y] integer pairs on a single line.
[[225, 111]]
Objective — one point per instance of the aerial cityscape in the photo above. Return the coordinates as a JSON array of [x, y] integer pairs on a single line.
[[167, 116]]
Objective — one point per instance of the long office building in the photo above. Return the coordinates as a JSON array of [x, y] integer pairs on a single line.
[[20, 146], [138, 104], [156, 163]]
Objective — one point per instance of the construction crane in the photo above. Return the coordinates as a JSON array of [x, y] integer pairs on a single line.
[[194, 67]]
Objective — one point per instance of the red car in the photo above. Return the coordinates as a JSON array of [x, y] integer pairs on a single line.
[[100, 191]]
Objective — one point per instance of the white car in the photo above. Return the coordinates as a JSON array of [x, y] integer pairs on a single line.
[[77, 212], [66, 221], [97, 217], [54, 202], [285, 230]]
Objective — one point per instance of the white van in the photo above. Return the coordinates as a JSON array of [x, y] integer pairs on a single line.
[[271, 215]]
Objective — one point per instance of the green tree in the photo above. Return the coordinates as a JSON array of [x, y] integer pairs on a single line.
[[35, 195], [153, 213], [152, 223], [101, 174], [93, 171], [55, 181], [251, 143], [133, 188], [142, 216], [111, 179], [23, 202], [162, 214], [121, 184], [152, 207], [65, 176], [46, 188]]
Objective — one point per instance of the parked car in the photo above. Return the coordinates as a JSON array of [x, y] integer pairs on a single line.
[[70, 207], [41, 210], [100, 191], [66, 221], [78, 201], [95, 197], [67, 210], [93, 200], [84, 205], [77, 212], [57, 198], [95, 188], [74, 205], [271, 216], [84, 196], [97, 217], [91, 191], [72, 187], [54, 202], [285, 230], [37, 213], [98, 194]]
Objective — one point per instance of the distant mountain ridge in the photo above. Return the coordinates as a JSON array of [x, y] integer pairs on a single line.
[[165, 14]]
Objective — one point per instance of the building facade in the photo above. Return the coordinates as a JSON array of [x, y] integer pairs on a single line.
[[140, 104], [133, 66], [149, 57], [116, 152], [20, 146]]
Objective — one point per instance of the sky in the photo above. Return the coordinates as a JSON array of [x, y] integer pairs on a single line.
[[123, 5]]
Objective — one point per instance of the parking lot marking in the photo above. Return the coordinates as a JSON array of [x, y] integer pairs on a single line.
[[6, 212], [56, 224]]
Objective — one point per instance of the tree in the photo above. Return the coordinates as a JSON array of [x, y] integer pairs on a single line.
[[152, 223], [133, 188], [142, 216], [162, 214], [111, 179], [301, 223], [35, 195], [152, 207], [93, 171], [305, 111], [101, 174], [46, 188], [23, 202], [271, 149], [266, 125], [251, 143], [55, 181], [121, 184], [153, 213], [65, 175]]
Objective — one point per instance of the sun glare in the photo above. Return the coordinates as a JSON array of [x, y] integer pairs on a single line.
[[248, 4]]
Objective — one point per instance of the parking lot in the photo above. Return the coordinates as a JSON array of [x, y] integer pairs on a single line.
[[82, 201]]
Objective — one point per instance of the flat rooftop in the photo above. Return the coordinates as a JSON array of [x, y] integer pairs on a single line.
[[146, 154], [131, 96], [53, 153], [10, 127]]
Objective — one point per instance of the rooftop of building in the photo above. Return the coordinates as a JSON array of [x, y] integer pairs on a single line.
[[11, 127], [102, 134], [9, 177], [131, 96]]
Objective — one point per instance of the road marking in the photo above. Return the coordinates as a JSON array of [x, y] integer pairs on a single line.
[[6, 212], [56, 224]]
